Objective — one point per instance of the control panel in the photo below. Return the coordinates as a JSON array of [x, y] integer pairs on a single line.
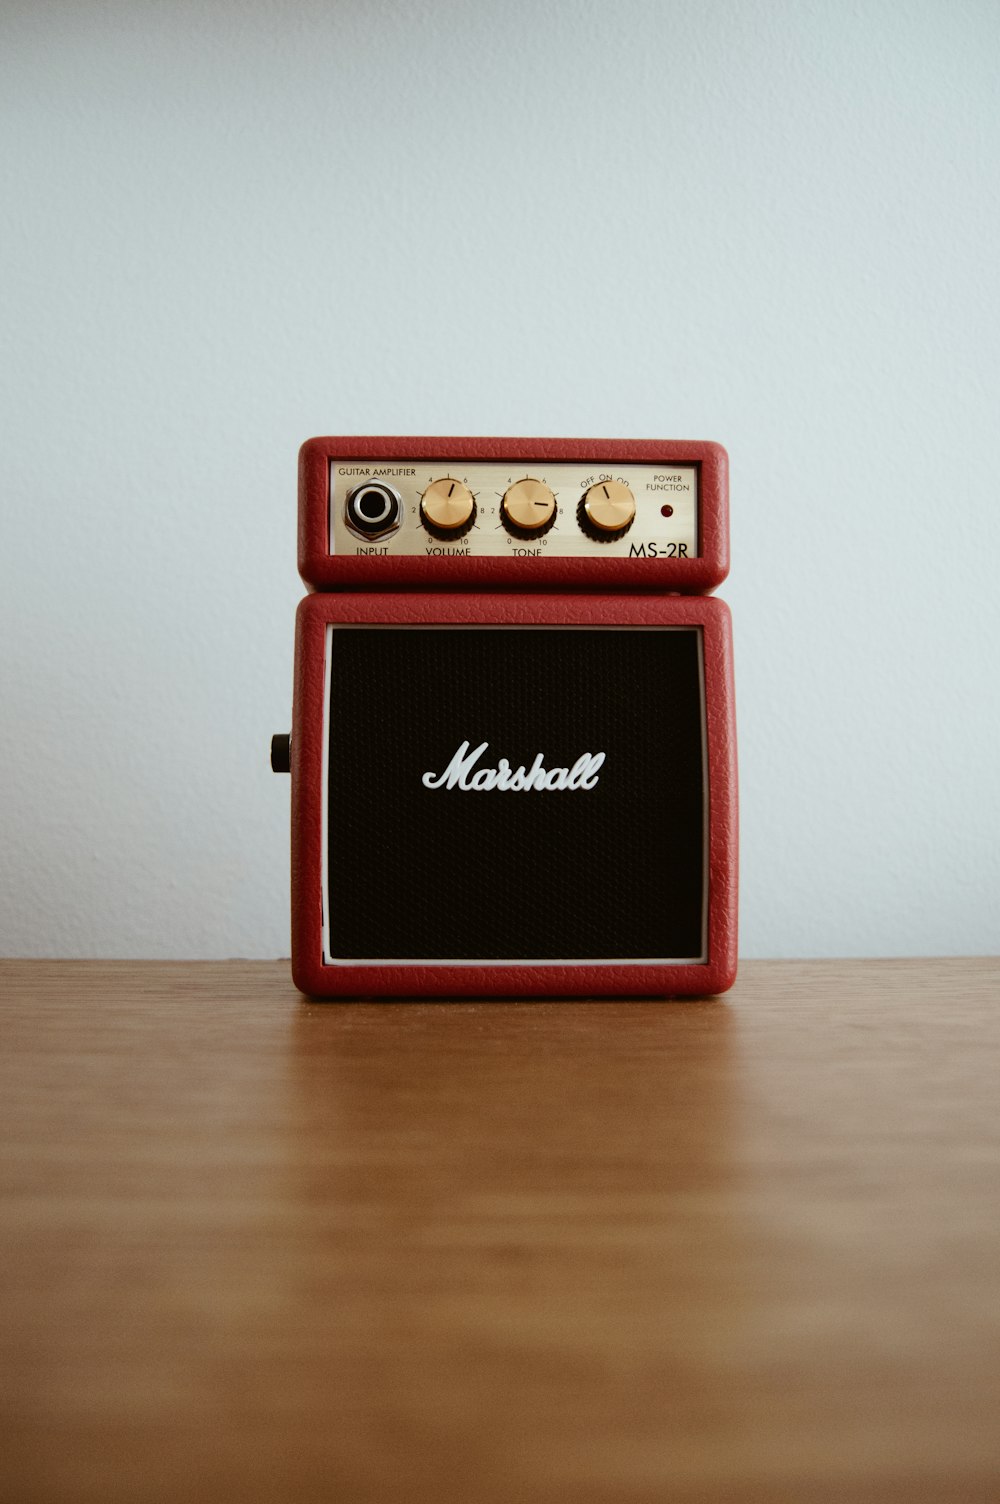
[[518, 509]]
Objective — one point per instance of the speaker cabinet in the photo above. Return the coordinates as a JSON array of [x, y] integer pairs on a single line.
[[513, 794]]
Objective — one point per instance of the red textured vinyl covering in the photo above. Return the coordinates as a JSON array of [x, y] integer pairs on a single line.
[[558, 979], [322, 571]]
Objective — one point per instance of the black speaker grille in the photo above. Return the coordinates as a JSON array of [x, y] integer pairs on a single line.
[[613, 872]]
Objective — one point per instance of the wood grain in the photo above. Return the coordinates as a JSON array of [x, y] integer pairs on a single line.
[[258, 1248]]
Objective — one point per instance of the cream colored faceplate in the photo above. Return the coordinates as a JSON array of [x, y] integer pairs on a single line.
[[651, 535]]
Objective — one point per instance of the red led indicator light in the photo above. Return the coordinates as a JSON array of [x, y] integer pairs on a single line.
[[666, 511]]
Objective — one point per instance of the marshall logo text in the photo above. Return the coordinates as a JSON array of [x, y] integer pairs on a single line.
[[459, 774]]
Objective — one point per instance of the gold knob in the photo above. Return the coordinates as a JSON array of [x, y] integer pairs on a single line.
[[447, 507], [528, 506], [607, 509]]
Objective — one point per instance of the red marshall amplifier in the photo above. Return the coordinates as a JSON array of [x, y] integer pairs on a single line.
[[502, 514], [511, 793]]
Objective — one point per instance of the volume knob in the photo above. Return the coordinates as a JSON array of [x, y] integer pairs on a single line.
[[528, 508], [606, 510], [447, 508]]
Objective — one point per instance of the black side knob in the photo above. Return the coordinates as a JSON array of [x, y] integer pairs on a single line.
[[281, 754]]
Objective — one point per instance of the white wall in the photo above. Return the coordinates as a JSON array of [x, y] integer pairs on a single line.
[[231, 226]]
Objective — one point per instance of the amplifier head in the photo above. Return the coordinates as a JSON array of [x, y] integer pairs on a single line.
[[509, 794], [530, 514]]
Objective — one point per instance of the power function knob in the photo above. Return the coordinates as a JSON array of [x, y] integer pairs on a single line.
[[607, 510], [447, 508], [528, 508]]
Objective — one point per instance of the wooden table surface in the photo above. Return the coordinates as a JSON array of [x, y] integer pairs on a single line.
[[257, 1248]]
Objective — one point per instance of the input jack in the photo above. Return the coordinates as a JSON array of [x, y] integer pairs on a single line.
[[373, 509]]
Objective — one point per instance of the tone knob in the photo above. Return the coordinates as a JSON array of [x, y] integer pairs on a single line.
[[528, 508], [447, 508], [606, 510]]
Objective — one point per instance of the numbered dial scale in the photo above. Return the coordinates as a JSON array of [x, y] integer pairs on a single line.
[[466, 509]]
